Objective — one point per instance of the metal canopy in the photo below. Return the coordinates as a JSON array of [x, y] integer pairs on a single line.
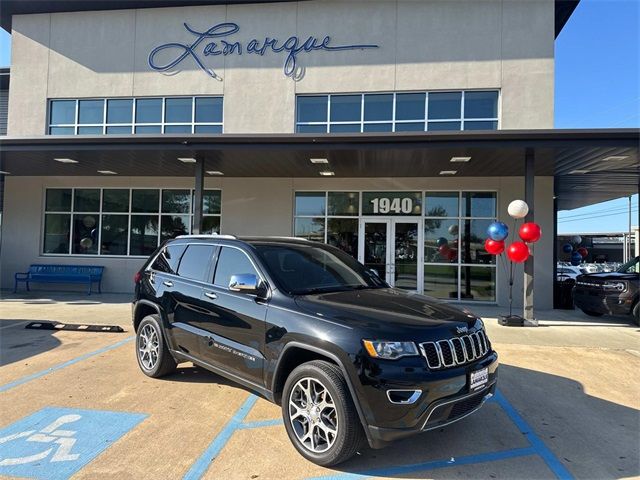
[[589, 165]]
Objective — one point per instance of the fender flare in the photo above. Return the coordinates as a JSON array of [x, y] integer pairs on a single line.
[[345, 374]]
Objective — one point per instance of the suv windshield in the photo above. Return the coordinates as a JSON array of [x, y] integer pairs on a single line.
[[306, 269], [632, 266]]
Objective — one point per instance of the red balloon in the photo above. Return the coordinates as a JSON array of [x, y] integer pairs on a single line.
[[444, 250], [530, 232], [518, 252], [452, 254], [583, 251], [494, 247]]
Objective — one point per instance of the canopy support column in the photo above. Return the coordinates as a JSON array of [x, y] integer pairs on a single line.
[[197, 197], [529, 197]]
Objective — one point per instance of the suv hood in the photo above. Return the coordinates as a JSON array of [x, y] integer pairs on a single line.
[[385, 309], [609, 276]]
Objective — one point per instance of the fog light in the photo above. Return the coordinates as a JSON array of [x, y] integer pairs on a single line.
[[403, 397]]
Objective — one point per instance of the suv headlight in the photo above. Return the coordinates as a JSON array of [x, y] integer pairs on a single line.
[[390, 350], [619, 286]]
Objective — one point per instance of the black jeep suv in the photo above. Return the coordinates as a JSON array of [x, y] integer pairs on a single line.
[[306, 326], [615, 293]]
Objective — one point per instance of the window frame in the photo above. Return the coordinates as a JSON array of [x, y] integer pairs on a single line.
[[393, 121], [133, 124], [129, 214], [459, 264]]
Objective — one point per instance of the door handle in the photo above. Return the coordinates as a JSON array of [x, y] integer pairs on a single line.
[[167, 283], [211, 295]]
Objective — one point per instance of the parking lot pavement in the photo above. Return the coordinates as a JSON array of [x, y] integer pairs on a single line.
[[74, 404]]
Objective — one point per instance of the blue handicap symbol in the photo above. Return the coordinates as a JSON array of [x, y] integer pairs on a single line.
[[54, 443]]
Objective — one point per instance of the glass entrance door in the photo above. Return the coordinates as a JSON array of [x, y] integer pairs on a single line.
[[391, 247], [374, 247], [405, 252]]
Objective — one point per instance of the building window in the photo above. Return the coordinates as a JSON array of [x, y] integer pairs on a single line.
[[125, 116], [329, 217], [397, 112], [121, 221], [456, 266], [454, 263]]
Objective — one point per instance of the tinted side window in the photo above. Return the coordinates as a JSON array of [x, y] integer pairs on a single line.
[[168, 259], [232, 261], [195, 262]]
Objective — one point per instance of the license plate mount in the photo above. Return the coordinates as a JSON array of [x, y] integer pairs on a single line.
[[478, 379]]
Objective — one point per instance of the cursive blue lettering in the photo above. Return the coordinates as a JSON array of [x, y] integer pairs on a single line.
[[291, 45]]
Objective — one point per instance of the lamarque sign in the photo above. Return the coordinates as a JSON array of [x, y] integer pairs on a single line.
[[215, 42]]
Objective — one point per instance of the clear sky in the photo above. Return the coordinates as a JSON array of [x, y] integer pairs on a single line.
[[597, 85]]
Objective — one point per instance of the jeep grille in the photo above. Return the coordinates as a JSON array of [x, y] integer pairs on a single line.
[[456, 351]]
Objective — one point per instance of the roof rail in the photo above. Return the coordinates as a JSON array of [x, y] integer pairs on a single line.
[[209, 235]]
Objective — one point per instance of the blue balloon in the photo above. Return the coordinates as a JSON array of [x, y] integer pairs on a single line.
[[497, 231], [442, 241], [576, 259], [567, 248]]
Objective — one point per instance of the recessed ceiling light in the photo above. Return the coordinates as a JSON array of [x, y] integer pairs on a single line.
[[578, 172], [615, 158], [214, 172], [107, 172], [65, 160], [2, 172], [319, 160], [448, 172], [460, 159], [187, 160], [327, 173]]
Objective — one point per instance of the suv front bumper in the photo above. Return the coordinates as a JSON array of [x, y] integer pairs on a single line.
[[444, 397], [439, 414]]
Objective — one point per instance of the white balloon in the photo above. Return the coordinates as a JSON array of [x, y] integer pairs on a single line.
[[518, 209], [453, 229], [576, 239]]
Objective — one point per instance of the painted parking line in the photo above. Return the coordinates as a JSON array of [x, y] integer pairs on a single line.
[[260, 424], [42, 373], [55, 443], [547, 455], [215, 447]]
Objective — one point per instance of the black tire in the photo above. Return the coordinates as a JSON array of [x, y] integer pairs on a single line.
[[350, 436], [636, 313], [164, 362], [591, 313]]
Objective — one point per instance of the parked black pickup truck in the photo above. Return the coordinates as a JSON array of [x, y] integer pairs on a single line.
[[614, 293]]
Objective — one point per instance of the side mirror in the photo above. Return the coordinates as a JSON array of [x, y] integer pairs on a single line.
[[244, 282]]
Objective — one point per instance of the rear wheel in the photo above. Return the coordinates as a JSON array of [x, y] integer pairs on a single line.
[[319, 415], [591, 313], [152, 353]]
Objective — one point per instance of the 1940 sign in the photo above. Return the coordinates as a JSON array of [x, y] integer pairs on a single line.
[[391, 203], [204, 46]]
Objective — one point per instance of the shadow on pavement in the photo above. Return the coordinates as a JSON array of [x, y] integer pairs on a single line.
[[18, 343]]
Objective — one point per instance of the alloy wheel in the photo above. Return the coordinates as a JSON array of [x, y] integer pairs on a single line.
[[313, 415], [148, 347]]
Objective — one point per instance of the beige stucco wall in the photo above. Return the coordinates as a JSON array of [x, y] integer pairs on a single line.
[[424, 45], [253, 206]]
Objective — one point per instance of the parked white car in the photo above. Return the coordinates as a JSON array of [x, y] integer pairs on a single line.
[[565, 272]]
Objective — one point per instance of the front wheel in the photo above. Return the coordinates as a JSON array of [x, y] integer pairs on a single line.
[[154, 358], [636, 313], [591, 313], [319, 415]]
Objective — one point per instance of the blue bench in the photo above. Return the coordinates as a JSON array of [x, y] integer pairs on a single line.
[[87, 274]]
